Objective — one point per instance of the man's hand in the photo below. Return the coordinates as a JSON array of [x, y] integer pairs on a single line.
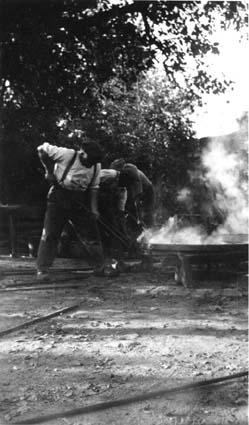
[[49, 177]]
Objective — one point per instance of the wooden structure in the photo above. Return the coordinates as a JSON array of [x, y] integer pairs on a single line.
[[20, 228], [186, 258]]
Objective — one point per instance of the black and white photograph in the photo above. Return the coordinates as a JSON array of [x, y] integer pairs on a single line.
[[124, 212]]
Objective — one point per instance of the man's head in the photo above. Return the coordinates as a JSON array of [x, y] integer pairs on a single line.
[[90, 153], [118, 164]]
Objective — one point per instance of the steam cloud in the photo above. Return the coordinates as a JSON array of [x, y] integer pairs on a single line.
[[224, 170]]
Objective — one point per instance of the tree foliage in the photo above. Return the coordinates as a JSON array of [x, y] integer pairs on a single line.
[[57, 55], [149, 126]]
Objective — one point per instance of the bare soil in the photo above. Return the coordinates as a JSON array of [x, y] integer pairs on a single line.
[[132, 335]]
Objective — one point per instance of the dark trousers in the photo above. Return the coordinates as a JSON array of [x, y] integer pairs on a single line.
[[63, 206], [146, 206]]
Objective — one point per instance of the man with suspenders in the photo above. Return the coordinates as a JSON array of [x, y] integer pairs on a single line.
[[75, 178]]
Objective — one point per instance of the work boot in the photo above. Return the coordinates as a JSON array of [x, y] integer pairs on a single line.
[[123, 267], [111, 268], [108, 269]]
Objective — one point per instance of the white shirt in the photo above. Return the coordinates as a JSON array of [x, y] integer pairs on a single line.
[[112, 175], [78, 177], [108, 174]]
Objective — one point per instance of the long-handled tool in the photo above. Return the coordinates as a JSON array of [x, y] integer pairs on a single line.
[[115, 232]]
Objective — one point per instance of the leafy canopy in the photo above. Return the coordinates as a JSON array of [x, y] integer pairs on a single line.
[[58, 55]]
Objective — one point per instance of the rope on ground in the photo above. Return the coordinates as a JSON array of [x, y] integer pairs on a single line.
[[129, 400]]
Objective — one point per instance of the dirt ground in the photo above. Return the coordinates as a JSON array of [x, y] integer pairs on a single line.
[[132, 335]]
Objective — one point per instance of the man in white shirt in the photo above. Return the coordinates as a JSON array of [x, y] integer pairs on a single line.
[[73, 196]]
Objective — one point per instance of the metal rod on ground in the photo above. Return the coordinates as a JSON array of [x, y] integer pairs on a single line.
[[122, 402], [40, 319], [7, 272], [40, 288], [53, 286], [51, 279]]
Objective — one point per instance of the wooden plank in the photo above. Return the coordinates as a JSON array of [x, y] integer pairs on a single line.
[[156, 248]]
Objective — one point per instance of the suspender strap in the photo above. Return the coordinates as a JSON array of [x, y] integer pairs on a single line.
[[67, 169], [93, 176]]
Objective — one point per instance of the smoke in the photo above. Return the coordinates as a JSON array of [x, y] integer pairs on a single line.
[[173, 233], [217, 197], [226, 173]]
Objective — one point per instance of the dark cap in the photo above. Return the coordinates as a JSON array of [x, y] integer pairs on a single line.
[[94, 152], [118, 164]]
